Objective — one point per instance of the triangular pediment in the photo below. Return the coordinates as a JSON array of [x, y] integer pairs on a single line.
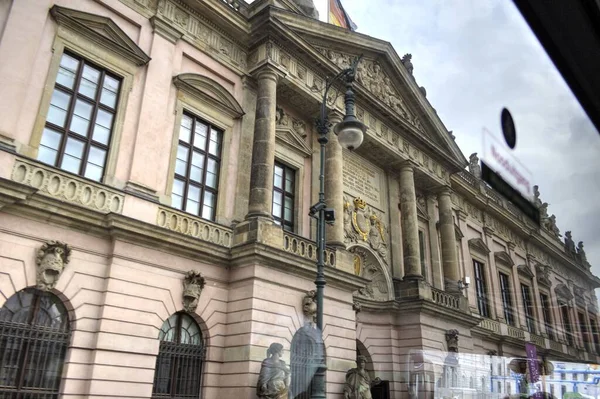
[[290, 138], [477, 244], [504, 258], [101, 30], [209, 90], [563, 291], [525, 270], [543, 274]]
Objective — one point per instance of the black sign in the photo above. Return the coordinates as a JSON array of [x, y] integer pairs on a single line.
[[508, 128]]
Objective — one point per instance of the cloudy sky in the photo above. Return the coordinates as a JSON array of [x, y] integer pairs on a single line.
[[475, 57]]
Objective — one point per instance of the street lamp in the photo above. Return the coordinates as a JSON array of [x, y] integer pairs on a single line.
[[350, 132]]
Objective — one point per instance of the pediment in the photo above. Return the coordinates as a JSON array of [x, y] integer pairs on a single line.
[[101, 30], [525, 270], [504, 258], [563, 291], [291, 138], [543, 274], [209, 90], [477, 244]]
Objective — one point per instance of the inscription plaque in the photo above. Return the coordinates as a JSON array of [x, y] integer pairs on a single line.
[[362, 179]]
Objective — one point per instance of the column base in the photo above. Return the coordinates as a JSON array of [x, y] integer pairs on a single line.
[[451, 286], [415, 288], [259, 230]]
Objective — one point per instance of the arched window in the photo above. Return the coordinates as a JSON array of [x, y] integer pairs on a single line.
[[179, 363], [307, 354], [34, 337]]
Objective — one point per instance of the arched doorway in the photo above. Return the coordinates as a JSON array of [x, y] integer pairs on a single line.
[[307, 354], [34, 334]]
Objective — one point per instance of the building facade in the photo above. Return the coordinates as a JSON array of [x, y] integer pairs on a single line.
[[157, 164]]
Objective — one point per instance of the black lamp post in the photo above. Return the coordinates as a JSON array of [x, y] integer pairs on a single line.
[[350, 136]]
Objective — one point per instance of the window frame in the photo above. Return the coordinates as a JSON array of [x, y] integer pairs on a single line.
[[505, 295], [481, 292], [528, 307], [545, 304], [566, 321], [205, 152], [280, 220]]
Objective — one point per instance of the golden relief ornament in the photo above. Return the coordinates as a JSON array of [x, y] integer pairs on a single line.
[[363, 224]]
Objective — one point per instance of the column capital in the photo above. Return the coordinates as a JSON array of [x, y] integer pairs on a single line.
[[407, 165], [268, 71], [462, 215], [511, 245], [335, 117], [443, 190]]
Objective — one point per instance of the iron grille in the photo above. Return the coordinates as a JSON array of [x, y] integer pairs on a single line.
[[307, 355]]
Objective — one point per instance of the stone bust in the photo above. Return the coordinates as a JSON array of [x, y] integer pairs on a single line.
[[193, 283], [452, 340], [51, 260], [309, 308]]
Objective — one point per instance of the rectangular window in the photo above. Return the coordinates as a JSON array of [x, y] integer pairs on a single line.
[[480, 289], [564, 311], [584, 331], [80, 118], [197, 167], [595, 334], [422, 251], [547, 315], [528, 307], [506, 299], [284, 186]]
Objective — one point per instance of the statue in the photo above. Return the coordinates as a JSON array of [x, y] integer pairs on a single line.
[[536, 197], [551, 225], [307, 7], [377, 236], [544, 211], [452, 340], [358, 382], [406, 61], [193, 283], [581, 252], [51, 260], [299, 127], [474, 167], [274, 377], [569, 243], [309, 308], [281, 119]]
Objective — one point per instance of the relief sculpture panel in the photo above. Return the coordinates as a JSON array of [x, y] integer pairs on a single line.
[[363, 225]]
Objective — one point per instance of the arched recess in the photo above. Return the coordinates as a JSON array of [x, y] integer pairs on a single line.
[[35, 334], [307, 353], [369, 265], [210, 91], [180, 361], [361, 350]]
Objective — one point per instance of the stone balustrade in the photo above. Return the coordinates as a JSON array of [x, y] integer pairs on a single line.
[[445, 299], [490, 325], [193, 226], [538, 340], [469, 178], [305, 248], [516, 332], [556, 346]]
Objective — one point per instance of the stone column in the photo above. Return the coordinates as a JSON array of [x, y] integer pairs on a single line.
[[492, 279], [448, 236], [395, 229], [434, 245], [410, 229], [263, 151], [334, 185]]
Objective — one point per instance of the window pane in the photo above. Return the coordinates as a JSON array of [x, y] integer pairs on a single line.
[[193, 200], [288, 209], [109, 92], [197, 168], [89, 81], [209, 206], [211, 173], [186, 128], [102, 127], [94, 172], [278, 179], [181, 163], [81, 118], [200, 135], [276, 210], [57, 113], [214, 147], [96, 156], [289, 181], [277, 198], [47, 155], [177, 194], [67, 71], [51, 138], [72, 158]]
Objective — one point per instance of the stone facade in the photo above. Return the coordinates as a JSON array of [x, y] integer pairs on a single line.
[[411, 219]]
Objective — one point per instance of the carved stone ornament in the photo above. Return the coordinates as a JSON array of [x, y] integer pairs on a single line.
[[569, 244], [474, 166], [536, 197], [369, 267], [193, 283], [407, 62], [363, 224], [284, 120], [51, 260], [543, 274], [356, 306], [309, 308], [452, 340], [581, 254], [550, 225]]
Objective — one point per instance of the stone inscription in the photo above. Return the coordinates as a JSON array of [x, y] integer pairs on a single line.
[[361, 179]]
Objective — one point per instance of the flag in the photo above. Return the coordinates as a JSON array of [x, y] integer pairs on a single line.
[[339, 17]]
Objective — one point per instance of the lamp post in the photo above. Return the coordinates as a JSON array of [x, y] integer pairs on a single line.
[[350, 132]]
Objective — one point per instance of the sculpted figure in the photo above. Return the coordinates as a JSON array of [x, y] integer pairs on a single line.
[[193, 283], [474, 167], [274, 378], [452, 340], [358, 381], [308, 7], [376, 237], [536, 197], [544, 211], [51, 260], [569, 243], [309, 307], [552, 225], [281, 119], [406, 61], [581, 252]]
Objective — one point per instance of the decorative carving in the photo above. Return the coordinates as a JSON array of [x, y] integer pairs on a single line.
[[309, 308], [51, 260], [536, 197], [581, 254], [67, 188], [358, 381], [479, 245], [362, 223], [550, 225], [569, 244], [192, 226], [193, 283], [356, 306], [281, 118], [452, 340], [370, 269], [407, 62], [275, 376], [543, 274], [474, 166]]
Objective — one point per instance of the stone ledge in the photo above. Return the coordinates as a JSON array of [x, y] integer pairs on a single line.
[[192, 226]]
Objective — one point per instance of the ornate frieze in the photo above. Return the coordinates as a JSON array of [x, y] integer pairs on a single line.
[[194, 227], [193, 283], [363, 224], [66, 187], [51, 260]]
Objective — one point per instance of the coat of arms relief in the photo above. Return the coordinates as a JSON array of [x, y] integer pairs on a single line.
[[362, 224], [367, 266]]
